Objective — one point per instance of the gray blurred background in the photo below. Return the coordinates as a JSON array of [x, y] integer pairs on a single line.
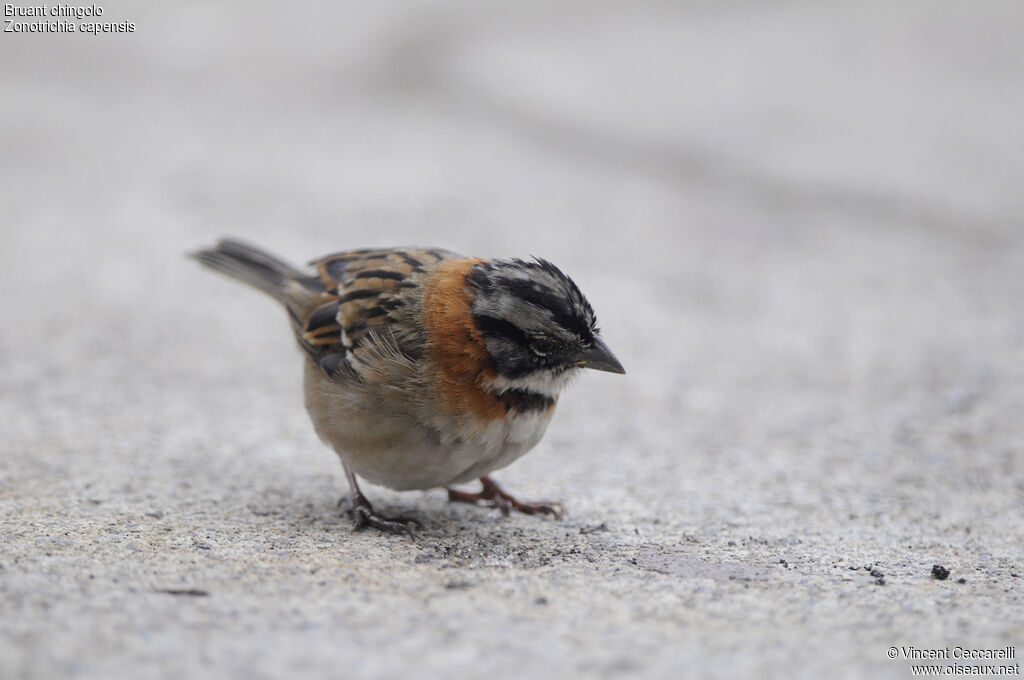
[[800, 224]]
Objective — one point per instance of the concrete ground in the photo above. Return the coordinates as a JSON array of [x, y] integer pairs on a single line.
[[801, 225]]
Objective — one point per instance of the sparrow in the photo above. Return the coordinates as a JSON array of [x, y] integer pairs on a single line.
[[425, 368]]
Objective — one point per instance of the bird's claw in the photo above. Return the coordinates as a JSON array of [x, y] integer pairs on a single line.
[[495, 496]]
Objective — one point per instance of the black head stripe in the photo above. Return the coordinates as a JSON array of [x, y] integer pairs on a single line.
[[575, 303], [493, 326], [561, 308], [514, 301], [479, 278]]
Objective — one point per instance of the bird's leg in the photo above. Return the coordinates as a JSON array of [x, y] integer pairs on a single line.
[[494, 495], [363, 514]]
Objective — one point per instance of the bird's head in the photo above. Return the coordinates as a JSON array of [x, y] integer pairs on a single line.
[[538, 327]]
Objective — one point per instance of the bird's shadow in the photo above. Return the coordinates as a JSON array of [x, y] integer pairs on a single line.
[[456, 534]]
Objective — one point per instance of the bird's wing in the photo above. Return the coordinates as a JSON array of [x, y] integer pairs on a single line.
[[369, 304]]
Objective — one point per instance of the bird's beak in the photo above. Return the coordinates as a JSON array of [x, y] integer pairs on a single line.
[[601, 358]]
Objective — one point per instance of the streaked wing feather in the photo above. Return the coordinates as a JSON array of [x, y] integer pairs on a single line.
[[366, 291]]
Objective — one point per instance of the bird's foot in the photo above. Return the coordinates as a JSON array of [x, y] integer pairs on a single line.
[[496, 497], [363, 515]]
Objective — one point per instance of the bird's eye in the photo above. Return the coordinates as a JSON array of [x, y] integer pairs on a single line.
[[542, 345]]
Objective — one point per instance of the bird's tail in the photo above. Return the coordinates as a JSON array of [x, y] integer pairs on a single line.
[[251, 265]]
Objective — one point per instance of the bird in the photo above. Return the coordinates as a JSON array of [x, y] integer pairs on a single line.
[[425, 368]]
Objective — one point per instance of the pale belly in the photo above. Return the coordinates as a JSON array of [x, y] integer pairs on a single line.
[[396, 450], [413, 462]]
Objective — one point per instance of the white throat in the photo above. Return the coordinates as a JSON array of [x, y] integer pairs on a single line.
[[540, 382]]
